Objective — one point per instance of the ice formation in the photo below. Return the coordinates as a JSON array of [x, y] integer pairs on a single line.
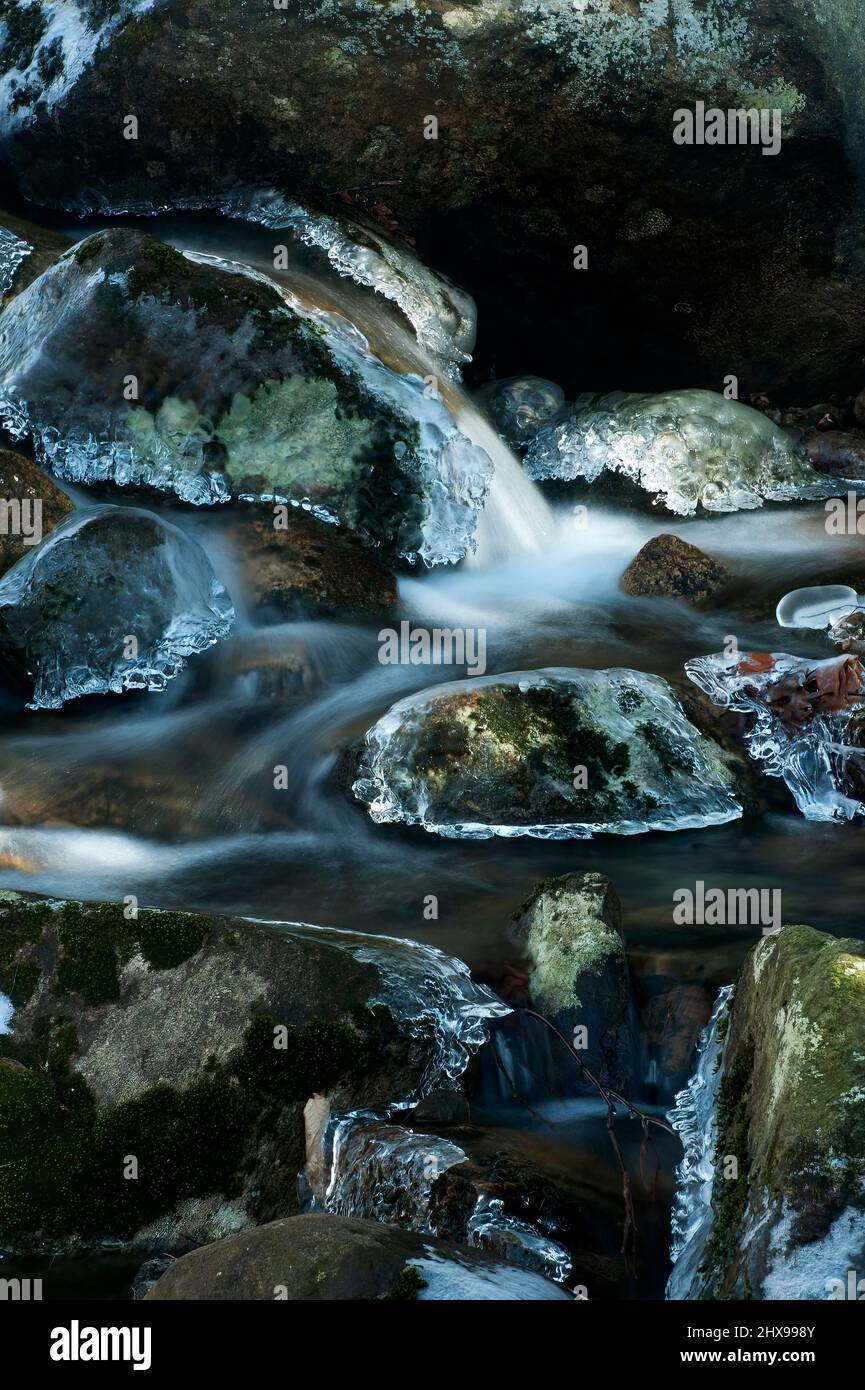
[[113, 599], [12, 252], [287, 403], [688, 449], [556, 754], [806, 722], [694, 1120]]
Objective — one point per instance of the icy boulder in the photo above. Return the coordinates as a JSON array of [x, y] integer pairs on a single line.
[[130, 362], [556, 754], [782, 1095], [114, 599], [806, 722], [689, 449], [443, 316]]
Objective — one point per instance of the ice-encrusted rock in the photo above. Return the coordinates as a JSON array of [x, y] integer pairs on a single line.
[[687, 449], [443, 315], [130, 362], [201, 1038], [114, 599], [805, 722], [520, 405], [556, 754], [337, 1258], [788, 1219], [385, 1172]]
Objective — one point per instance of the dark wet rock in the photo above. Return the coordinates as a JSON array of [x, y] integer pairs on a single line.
[[554, 123], [670, 1025], [297, 566], [35, 505], [132, 363], [555, 754], [859, 407], [669, 567], [520, 405], [114, 599], [789, 1109], [570, 1199], [326, 1258], [570, 931], [837, 451], [192, 1042]]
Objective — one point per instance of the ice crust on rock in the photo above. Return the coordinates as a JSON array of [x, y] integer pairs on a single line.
[[690, 449], [284, 402], [803, 715], [13, 250], [108, 574], [502, 756]]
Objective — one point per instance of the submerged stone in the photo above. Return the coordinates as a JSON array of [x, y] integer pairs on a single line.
[[789, 1222], [668, 567], [130, 362], [115, 599], [688, 449], [556, 754]]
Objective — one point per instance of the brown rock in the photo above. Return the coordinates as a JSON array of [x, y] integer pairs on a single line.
[[311, 568], [668, 567], [859, 407], [21, 480], [672, 1023], [836, 451]]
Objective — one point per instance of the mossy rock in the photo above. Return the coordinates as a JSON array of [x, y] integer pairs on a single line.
[[791, 1111], [187, 1043]]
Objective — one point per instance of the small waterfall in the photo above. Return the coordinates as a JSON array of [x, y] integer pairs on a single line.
[[516, 519], [694, 1117]]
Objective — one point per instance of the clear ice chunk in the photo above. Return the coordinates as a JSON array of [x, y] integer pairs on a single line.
[[242, 388], [818, 606]]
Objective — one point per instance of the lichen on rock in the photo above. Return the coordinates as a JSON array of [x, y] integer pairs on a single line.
[[789, 1219]]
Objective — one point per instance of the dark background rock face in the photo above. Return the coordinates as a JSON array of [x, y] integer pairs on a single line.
[[555, 130]]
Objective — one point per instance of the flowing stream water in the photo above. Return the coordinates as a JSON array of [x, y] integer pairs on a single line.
[[544, 585]]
